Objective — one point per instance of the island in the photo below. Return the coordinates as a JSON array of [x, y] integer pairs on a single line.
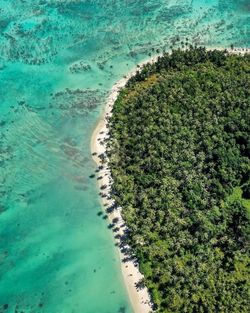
[[178, 149]]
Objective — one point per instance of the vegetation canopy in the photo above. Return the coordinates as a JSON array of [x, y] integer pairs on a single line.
[[179, 156]]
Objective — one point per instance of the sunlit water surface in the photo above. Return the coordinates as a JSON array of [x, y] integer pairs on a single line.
[[58, 61]]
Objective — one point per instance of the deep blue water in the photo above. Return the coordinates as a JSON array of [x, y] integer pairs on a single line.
[[58, 61]]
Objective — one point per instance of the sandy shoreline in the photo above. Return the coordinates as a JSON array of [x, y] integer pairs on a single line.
[[140, 299]]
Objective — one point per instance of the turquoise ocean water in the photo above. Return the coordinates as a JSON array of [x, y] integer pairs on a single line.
[[58, 61]]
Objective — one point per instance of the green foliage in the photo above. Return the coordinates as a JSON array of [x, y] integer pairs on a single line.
[[179, 156]]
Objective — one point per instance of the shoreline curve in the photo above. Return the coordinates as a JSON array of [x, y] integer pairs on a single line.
[[139, 298]]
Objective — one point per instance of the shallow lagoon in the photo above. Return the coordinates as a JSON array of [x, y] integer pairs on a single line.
[[58, 61]]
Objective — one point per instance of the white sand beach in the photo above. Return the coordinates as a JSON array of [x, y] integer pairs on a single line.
[[140, 298]]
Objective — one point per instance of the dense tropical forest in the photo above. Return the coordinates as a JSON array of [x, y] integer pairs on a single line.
[[179, 155]]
